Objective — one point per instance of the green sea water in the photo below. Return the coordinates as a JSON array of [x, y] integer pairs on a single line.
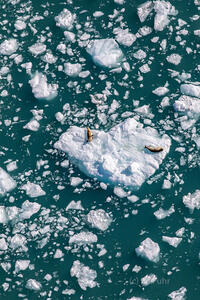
[[38, 162]]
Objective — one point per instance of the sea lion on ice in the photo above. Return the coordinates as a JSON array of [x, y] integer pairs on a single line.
[[89, 135], [154, 149]]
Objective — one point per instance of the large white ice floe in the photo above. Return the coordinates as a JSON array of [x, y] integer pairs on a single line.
[[105, 52], [99, 219], [190, 89], [192, 201], [6, 182], [188, 105], [41, 89], [162, 9], [86, 276], [8, 47], [65, 19], [117, 156], [149, 250], [178, 294]]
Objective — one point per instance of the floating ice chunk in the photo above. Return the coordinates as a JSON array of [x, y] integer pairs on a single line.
[[18, 241], [192, 201], [72, 69], [33, 190], [98, 14], [41, 89], [11, 166], [70, 36], [179, 294], [116, 157], [188, 105], [3, 245], [148, 279], [162, 10], [37, 48], [49, 58], [58, 254], [21, 265], [20, 24], [149, 250], [105, 52], [33, 284], [119, 192], [174, 59], [144, 10], [160, 91], [74, 181], [173, 241], [161, 213], [8, 47], [83, 238], [124, 37], [120, 2], [6, 182], [8, 213], [28, 209], [65, 19], [74, 205], [140, 54], [190, 90], [99, 219], [86, 276], [32, 125]]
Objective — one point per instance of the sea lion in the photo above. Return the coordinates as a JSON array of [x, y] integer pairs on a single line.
[[154, 149], [89, 135]]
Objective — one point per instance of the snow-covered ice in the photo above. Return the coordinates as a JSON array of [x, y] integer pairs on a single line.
[[32, 125], [173, 241], [41, 89], [174, 59], [160, 91], [33, 190], [148, 279], [190, 89], [21, 265], [124, 37], [37, 48], [118, 156], [178, 294], [161, 213], [86, 276], [8, 47], [99, 219], [6, 182], [188, 105], [192, 201], [163, 9], [105, 52], [149, 250], [83, 238], [33, 284], [65, 19], [144, 10], [72, 69]]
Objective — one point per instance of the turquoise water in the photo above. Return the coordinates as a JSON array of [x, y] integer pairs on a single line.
[[131, 222]]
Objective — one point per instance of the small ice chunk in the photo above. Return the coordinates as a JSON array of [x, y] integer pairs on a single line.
[[58, 254], [148, 279], [33, 284], [86, 276], [98, 14], [192, 201], [3, 244], [190, 90], [20, 24], [149, 250], [161, 213], [37, 48], [162, 9], [65, 19], [74, 181], [41, 89], [32, 125], [125, 38], [99, 219], [6, 182], [188, 105], [28, 209], [119, 192], [11, 166], [8, 47], [140, 54], [174, 59], [18, 241], [172, 241], [83, 238], [33, 190], [178, 294], [160, 91], [21, 265], [105, 52], [133, 198], [74, 205], [180, 232], [8, 213], [144, 10], [72, 69], [70, 36]]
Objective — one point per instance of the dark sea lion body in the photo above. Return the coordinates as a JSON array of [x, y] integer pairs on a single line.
[[89, 135]]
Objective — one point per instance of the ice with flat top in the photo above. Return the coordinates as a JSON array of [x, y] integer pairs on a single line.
[[105, 52], [41, 89], [86, 276], [6, 182], [149, 250], [117, 156], [8, 47]]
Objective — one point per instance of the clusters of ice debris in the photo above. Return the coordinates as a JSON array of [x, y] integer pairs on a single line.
[[118, 156]]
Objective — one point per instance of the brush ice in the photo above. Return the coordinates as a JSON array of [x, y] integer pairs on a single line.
[[188, 105], [83, 238], [86, 276], [192, 201], [6, 182], [8, 47], [41, 89], [190, 90], [118, 156], [33, 190], [149, 250], [65, 19], [105, 52], [99, 219]]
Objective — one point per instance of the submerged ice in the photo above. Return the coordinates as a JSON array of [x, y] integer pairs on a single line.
[[117, 156]]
